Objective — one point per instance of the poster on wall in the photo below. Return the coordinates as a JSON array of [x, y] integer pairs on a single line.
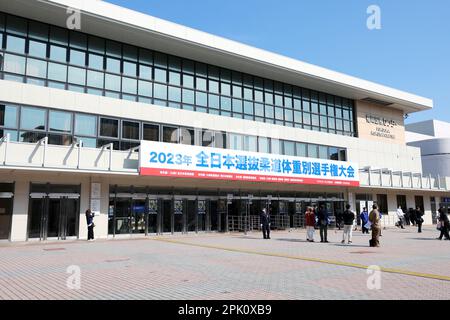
[[152, 206], [178, 207], [201, 207], [194, 162]]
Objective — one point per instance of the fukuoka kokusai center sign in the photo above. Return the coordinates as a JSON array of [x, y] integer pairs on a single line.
[[185, 161]]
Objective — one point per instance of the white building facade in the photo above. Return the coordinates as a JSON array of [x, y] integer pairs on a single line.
[[159, 128]]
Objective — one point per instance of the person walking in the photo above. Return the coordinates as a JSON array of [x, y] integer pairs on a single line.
[[413, 217], [374, 218], [419, 219], [90, 224], [349, 218], [400, 217], [338, 220], [364, 219], [265, 223], [323, 223], [310, 218], [444, 224]]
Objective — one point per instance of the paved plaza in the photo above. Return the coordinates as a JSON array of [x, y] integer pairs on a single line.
[[229, 266]]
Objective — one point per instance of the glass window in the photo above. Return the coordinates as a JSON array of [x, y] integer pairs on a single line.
[[306, 106], [263, 145], [275, 146], [94, 79], [36, 68], [200, 83], [201, 99], [225, 103], [323, 109], [170, 134], [130, 69], [160, 60], [77, 57], [213, 101], [237, 105], [112, 82], [151, 132], [323, 152], [206, 137], [250, 143], [323, 121], [174, 78], [220, 140], [161, 75], [268, 98], [59, 35], [145, 72], [213, 86], [259, 96], [129, 85], [37, 49], [259, 109], [87, 142], [96, 45], [289, 148], [269, 112], [312, 151], [160, 91], [331, 123], [175, 94], [288, 115], [248, 107], [225, 75], [235, 141], [188, 96], [113, 65], [109, 128], [12, 134], [279, 113], [31, 137], [314, 108], [85, 125], [95, 61], [16, 25], [145, 88], [225, 89], [8, 116], [174, 63], [315, 120], [58, 53], [77, 76], [333, 153], [38, 30], [57, 72], [32, 118], [15, 44], [237, 92], [60, 121], [187, 136], [278, 100], [130, 130], [188, 81], [300, 149], [113, 49], [145, 56], [130, 52]]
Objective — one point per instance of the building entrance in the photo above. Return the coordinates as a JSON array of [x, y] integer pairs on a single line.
[[6, 209], [53, 215]]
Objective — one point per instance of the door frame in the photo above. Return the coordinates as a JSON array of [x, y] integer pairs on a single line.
[[9, 195]]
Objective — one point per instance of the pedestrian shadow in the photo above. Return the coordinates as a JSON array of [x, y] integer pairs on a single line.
[[430, 239], [350, 245], [290, 240]]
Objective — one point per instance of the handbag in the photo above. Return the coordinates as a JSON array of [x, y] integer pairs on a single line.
[[439, 226]]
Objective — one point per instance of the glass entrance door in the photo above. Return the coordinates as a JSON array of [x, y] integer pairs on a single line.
[[191, 216], [122, 216], [54, 216], [138, 212], [6, 208]]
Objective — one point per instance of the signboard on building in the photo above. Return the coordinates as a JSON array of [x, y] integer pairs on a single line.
[[185, 161]]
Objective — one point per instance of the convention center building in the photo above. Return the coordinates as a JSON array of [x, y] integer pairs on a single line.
[[162, 129]]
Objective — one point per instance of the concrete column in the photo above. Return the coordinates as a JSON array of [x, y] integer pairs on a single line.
[[428, 216], [20, 211]]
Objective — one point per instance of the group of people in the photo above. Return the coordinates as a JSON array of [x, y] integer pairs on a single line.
[[369, 221], [412, 216]]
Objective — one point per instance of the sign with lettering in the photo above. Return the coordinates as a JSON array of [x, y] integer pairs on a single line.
[[185, 161], [383, 126]]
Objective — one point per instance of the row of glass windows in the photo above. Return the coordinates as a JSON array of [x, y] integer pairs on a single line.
[[78, 62], [30, 124]]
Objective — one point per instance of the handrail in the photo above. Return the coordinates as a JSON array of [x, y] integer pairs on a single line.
[[5, 139], [45, 142]]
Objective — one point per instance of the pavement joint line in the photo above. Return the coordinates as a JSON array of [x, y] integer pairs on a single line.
[[332, 262]]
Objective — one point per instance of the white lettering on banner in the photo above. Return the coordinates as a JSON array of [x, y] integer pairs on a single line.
[[178, 160]]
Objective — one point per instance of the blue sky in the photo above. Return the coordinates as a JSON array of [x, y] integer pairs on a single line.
[[411, 52]]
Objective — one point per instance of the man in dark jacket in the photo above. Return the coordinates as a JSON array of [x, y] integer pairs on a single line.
[[90, 224], [419, 219], [322, 215], [445, 224], [349, 218], [265, 223]]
